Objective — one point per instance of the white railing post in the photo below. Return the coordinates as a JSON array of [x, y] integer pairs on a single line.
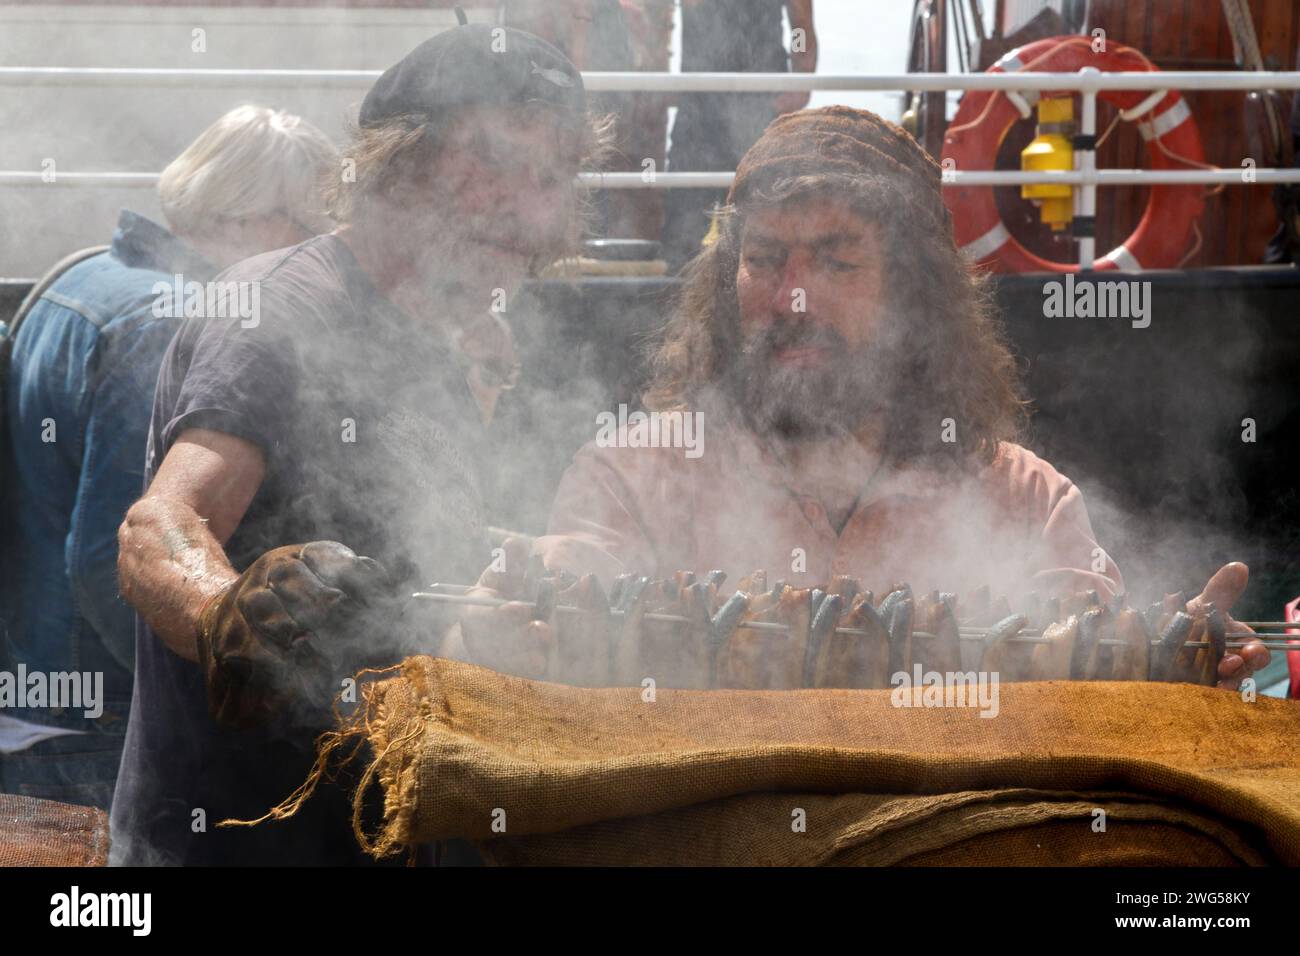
[[1086, 163]]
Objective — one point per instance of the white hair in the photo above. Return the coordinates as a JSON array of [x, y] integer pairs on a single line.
[[252, 162]]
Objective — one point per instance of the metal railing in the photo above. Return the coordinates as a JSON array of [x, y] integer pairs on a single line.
[[1089, 82]]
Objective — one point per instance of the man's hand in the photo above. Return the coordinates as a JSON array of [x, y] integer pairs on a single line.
[[508, 638], [1224, 589], [278, 639]]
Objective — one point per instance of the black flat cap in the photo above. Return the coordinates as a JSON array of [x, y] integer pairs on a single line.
[[475, 65]]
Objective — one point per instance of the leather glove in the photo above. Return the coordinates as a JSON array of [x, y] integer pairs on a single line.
[[276, 643]]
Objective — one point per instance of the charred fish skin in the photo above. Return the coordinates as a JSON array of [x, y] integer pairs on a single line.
[[618, 625], [723, 626], [1209, 658], [1084, 657], [1152, 616], [1079, 602], [769, 660], [1200, 665], [856, 660], [941, 650], [870, 615], [633, 591], [887, 603], [875, 646], [890, 600], [544, 600], [659, 651], [1172, 639], [947, 635], [616, 588], [818, 595], [1051, 613], [1132, 660], [738, 659], [1051, 661], [626, 660], [900, 633], [534, 572], [846, 587], [1169, 605], [997, 657], [825, 616]]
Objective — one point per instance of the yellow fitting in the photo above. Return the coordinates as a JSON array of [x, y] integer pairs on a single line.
[[1056, 109], [1051, 149]]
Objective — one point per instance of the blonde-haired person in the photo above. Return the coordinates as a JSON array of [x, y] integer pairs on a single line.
[[248, 184], [77, 398]]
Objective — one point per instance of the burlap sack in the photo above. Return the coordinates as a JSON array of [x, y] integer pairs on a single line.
[[545, 773]]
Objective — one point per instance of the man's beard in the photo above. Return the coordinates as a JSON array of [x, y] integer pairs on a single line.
[[833, 399], [455, 269]]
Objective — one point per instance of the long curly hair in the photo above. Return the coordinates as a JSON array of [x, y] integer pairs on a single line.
[[956, 362]]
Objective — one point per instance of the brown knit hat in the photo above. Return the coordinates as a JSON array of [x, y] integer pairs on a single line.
[[840, 140]]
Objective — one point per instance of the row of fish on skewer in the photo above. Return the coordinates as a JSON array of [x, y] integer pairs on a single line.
[[682, 632]]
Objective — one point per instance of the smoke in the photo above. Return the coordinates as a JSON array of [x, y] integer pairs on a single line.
[[382, 417], [1151, 424]]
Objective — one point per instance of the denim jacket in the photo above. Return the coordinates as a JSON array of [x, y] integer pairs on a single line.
[[80, 392]]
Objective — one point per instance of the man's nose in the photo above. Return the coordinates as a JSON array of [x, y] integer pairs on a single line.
[[790, 298], [534, 215]]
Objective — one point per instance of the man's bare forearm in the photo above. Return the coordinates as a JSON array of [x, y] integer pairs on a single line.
[[169, 565]]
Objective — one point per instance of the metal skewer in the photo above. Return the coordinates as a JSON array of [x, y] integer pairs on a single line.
[[964, 633]]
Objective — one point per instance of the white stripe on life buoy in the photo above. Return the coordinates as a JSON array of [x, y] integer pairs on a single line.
[[1123, 258], [1022, 100], [1170, 119], [1146, 106], [987, 244]]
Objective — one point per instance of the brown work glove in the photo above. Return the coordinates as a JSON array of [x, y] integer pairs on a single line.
[[276, 643]]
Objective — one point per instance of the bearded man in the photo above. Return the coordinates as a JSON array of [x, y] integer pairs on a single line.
[[858, 405]]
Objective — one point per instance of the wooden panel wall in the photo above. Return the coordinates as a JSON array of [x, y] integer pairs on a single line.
[[1193, 35]]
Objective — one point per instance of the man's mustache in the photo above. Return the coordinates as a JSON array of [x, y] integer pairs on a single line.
[[788, 335]]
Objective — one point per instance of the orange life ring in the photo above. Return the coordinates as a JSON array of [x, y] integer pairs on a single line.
[[1162, 237]]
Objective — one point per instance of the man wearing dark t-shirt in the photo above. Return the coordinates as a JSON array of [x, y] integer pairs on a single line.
[[330, 420]]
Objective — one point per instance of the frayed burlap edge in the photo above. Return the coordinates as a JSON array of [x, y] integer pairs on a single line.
[[393, 763]]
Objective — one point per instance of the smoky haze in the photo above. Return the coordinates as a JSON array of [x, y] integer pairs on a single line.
[[1146, 421], [1157, 536]]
